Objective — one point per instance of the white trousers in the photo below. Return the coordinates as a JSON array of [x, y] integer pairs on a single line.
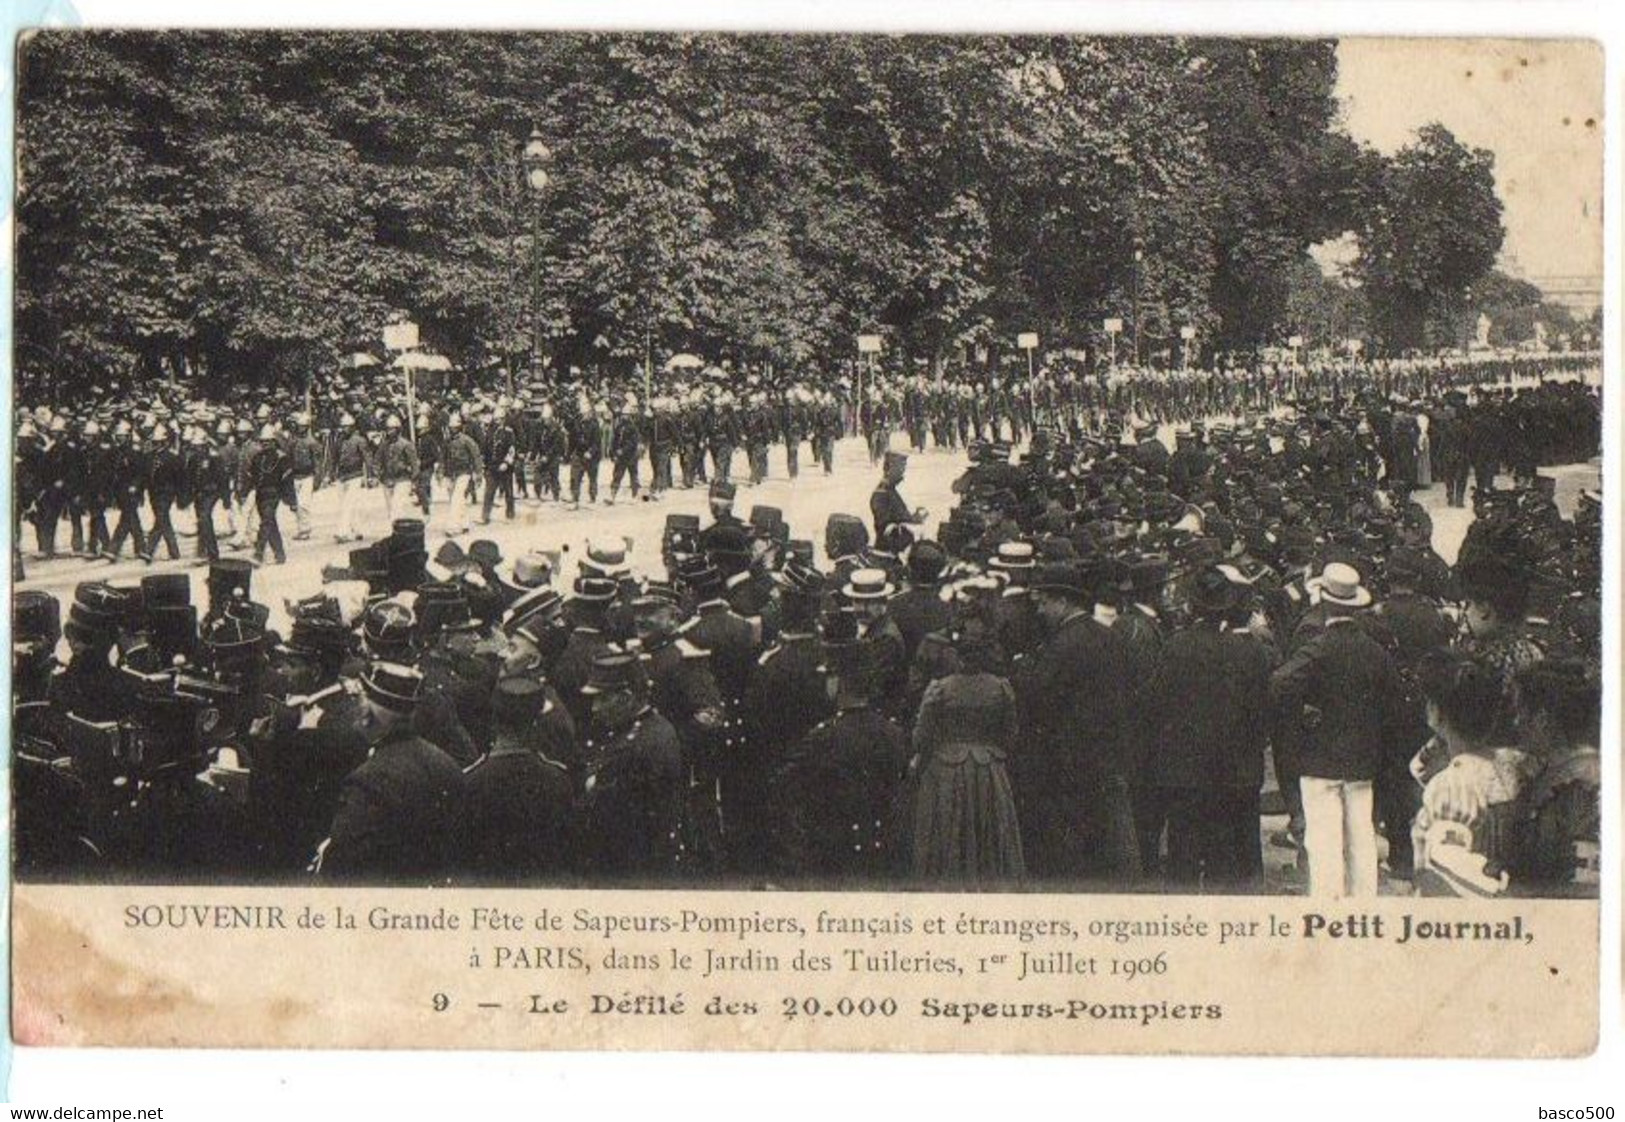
[[1340, 837], [457, 503], [349, 496], [302, 490], [396, 497]]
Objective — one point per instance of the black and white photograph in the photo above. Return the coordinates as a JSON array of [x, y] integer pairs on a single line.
[[954, 463]]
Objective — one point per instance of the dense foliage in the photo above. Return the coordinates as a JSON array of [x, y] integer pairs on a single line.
[[257, 204]]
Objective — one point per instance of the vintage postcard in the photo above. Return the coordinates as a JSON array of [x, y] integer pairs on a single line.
[[998, 543]]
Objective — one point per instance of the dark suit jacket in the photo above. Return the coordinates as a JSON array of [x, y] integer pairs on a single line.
[[1353, 691], [1209, 706], [400, 815], [1074, 691], [917, 612]]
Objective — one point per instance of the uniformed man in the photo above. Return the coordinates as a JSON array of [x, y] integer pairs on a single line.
[[520, 797], [315, 742], [350, 469], [130, 467], [207, 483], [165, 485], [635, 795], [397, 469], [402, 815], [625, 447], [835, 793], [501, 455], [886, 506], [269, 469], [303, 455]]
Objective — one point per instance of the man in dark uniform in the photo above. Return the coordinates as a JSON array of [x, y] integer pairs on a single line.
[[732, 640], [635, 795], [269, 472], [62, 463], [684, 690], [129, 467], [401, 815], [834, 796], [300, 766], [206, 484], [587, 611], [96, 488], [585, 436], [886, 506], [625, 448], [787, 696], [520, 797], [501, 453], [303, 453], [723, 518], [167, 481]]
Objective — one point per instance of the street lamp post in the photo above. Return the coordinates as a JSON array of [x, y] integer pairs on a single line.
[[537, 158]]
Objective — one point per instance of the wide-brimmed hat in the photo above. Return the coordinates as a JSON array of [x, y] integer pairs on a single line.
[[1062, 578], [607, 558], [532, 606], [868, 584], [595, 590], [1339, 583], [1013, 555], [533, 570]]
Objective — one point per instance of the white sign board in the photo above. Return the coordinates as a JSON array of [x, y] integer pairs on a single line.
[[1113, 326], [868, 344], [400, 336], [1027, 340], [1295, 342], [1187, 333]]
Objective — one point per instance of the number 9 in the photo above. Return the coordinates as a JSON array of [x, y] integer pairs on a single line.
[[441, 1003]]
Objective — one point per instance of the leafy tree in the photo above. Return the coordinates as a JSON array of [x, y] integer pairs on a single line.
[[1430, 228]]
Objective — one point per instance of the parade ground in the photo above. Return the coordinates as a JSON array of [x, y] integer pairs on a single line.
[[807, 503]]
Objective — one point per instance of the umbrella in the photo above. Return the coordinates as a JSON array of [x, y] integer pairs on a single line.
[[419, 360], [684, 362]]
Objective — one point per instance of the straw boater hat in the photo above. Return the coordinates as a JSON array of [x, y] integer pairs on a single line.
[[1339, 583], [868, 584], [1013, 555]]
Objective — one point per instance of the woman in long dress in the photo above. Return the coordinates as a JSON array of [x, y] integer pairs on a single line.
[[964, 829]]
